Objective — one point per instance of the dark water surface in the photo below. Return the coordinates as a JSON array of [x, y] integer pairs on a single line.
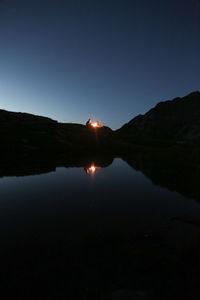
[[114, 191], [41, 216]]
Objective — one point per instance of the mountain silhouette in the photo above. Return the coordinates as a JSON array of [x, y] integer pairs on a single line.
[[172, 122], [23, 134], [176, 120]]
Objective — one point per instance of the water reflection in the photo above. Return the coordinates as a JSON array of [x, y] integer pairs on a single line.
[[37, 165], [173, 176], [65, 233]]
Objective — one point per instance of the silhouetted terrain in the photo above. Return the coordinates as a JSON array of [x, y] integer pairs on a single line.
[[168, 123], [25, 134], [163, 144], [176, 121], [141, 258]]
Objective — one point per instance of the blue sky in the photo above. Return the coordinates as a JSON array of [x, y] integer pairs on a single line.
[[108, 60]]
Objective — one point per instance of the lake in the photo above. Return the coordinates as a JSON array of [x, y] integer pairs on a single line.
[[46, 218]]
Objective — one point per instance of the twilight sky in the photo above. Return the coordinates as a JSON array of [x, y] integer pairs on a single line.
[[105, 59]]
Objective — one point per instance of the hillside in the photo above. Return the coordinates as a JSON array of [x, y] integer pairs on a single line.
[[27, 134], [173, 122], [176, 120]]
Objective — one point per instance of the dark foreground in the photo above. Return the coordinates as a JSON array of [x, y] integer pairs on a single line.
[[142, 258], [157, 260]]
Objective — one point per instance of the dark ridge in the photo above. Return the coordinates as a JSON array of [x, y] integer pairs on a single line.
[[176, 121], [172, 122], [24, 134]]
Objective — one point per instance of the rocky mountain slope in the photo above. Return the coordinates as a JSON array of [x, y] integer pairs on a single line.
[[176, 120], [22, 134], [170, 122]]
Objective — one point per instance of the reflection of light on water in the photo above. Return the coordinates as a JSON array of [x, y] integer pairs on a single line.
[[92, 169]]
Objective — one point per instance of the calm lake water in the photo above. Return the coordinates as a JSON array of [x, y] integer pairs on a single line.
[[85, 199], [79, 233]]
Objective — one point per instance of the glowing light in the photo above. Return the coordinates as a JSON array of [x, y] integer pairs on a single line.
[[95, 124], [92, 169]]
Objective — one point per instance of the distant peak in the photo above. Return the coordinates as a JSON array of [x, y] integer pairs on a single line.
[[195, 93]]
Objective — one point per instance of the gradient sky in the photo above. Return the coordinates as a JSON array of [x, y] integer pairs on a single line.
[[108, 60]]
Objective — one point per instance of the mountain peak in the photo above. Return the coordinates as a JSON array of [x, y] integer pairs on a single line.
[[173, 120]]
